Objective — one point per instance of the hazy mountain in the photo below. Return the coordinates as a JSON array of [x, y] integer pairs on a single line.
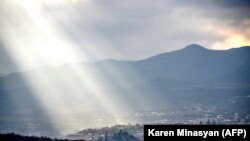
[[192, 66], [193, 63], [177, 79]]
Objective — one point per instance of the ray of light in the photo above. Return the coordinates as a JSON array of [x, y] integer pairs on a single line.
[[67, 94]]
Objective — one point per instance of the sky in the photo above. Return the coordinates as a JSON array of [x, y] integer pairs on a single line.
[[46, 32]]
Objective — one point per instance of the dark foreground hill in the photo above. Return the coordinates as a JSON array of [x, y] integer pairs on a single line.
[[15, 137]]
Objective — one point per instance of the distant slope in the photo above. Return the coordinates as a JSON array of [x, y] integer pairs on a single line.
[[184, 71], [240, 76], [195, 63]]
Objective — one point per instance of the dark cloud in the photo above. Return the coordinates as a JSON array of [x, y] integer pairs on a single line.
[[167, 22], [233, 3], [212, 3]]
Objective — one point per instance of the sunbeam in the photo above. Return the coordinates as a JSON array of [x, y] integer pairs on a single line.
[[69, 96], [70, 65]]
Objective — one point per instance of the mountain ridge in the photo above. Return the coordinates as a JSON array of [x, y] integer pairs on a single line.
[[191, 47], [192, 63]]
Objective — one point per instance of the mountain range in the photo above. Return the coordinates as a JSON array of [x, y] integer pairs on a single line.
[[194, 63], [189, 76]]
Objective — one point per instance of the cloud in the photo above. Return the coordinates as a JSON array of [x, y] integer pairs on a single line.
[[130, 29], [142, 28]]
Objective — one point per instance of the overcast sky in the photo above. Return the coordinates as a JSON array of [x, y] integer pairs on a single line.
[[90, 30]]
